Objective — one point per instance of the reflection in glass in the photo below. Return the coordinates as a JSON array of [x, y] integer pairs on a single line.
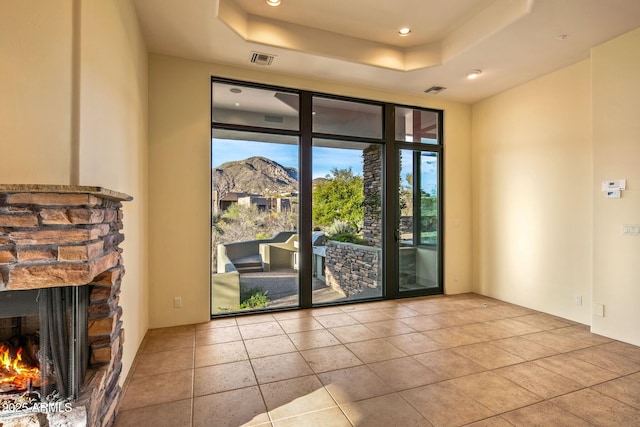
[[247, 106], [414, 125], [347, 118], [418, 227]]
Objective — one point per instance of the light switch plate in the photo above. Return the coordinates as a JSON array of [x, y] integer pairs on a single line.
[[618, 184]]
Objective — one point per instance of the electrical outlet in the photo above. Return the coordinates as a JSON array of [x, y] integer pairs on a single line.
[[177, 302], [598, 310]]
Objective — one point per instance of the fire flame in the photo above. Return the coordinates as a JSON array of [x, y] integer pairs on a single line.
[[14, 372]]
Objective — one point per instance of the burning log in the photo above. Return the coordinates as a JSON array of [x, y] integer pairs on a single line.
[[16, 373]]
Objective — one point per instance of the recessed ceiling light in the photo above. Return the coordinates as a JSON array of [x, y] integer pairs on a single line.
[[237, 104], [473, 74], [563, 36], [403, 32], [235, 90], [273, 2]]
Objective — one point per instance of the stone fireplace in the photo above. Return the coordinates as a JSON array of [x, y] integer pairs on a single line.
[[61, 334]]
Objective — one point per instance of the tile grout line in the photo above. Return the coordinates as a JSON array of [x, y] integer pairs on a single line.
[[193, 379], [485, 339]]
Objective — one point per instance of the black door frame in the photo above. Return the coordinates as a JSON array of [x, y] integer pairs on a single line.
[[390, 191]]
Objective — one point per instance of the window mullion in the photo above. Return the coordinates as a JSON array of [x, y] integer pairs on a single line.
[[306, 209]]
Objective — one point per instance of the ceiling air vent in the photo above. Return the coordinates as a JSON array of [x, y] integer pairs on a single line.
[[261, 58], [273, 119], [434, 90]]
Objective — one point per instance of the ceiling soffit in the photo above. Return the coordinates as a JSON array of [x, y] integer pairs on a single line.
[[288, 35]]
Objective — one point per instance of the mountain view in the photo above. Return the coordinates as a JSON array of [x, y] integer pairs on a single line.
[[255, 175]]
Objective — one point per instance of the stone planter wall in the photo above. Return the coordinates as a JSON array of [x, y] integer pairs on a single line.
[[53, 236], [350, 268]]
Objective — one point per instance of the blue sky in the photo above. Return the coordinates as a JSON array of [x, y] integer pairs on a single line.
[[324, 159], [224, 150], [429, 170]]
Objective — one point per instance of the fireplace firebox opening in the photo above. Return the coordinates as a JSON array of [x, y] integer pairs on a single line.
[[43, 346]]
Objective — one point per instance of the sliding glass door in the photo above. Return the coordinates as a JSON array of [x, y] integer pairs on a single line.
[[418, 252], [347, 221], [419, 231], [319, 199]]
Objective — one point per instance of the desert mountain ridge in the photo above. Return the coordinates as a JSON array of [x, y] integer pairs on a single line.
[[255, 175]]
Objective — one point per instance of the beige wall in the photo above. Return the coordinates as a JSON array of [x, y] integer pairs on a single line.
[[35, 92], [543, 231], [113, 141], [73, 111], [616, 136], [532, 195], [179, 181]]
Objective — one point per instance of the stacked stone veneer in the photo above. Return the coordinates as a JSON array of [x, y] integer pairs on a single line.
[[372, 192], [70, 236], [351, 269]]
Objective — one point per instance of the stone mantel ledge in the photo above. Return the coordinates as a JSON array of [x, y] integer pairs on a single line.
[[58, 235], [65, 189]]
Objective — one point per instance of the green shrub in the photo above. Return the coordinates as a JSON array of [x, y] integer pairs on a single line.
[[348, 238], [253, 298], [340, 227]]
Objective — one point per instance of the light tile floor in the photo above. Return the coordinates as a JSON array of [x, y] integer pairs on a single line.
[[441, 361]]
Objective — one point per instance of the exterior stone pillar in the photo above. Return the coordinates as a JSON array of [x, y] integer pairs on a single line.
[[372, 177]]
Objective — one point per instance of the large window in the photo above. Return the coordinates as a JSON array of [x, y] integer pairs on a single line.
[[298, 188]]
